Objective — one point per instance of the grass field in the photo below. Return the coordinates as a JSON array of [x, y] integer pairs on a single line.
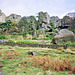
[[16, 61]]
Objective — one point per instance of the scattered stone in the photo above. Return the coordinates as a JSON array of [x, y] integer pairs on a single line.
[[32, 53], [11, 51]]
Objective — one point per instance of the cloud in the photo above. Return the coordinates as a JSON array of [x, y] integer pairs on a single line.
[[31, 7]]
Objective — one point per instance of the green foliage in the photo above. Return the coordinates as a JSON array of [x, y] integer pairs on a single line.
[[69, 43], [23, 22], [52, 25], [73, 31], [24, 33], [47, 35], [28, 24], [11, 40], [46, 30], [27, 42], [14, 36], [50, 36], [2, 37], [46, 38], [14, 24], [34, 38], [8, 24]]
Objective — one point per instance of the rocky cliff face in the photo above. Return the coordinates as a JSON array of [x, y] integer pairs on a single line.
[[44, 19], [67, 22], [56, 21], [14, 18], [2, 16]]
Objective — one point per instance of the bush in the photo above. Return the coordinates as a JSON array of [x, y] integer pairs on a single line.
[[2, 37], [27, 42], [11, 40], [69, 43]]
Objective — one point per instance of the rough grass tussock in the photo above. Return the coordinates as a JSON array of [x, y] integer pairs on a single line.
[[57, 64]]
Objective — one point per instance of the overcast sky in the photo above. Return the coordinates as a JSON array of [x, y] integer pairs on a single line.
[[32, 7]]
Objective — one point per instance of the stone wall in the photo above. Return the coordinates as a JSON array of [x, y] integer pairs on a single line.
[[36, 45]]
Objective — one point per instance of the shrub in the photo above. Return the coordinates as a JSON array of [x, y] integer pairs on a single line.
[[27, 42], [2, 37], [11, 40]]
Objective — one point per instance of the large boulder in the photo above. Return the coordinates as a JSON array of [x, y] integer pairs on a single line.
[[64, 35], [2, 17], [14, 18]]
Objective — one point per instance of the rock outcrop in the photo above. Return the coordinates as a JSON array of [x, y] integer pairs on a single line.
[[67, 23], [56, 21], [43, 17], [64, 35], [14, 18], [72, 14], [2, 16]]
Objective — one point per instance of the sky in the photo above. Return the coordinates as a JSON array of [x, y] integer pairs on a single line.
[[32, 7]]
